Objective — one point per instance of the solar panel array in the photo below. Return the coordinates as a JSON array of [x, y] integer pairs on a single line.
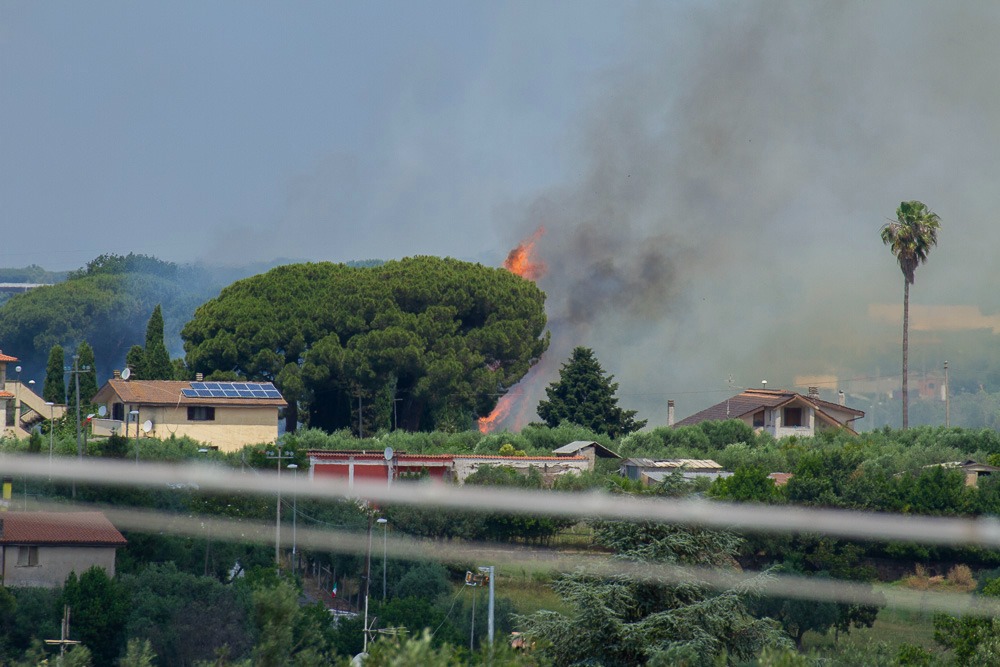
[[231, 390]]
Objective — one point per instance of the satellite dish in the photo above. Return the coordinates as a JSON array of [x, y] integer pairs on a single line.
[[388, 453], [102, 410], [126, 374], [147, 426]]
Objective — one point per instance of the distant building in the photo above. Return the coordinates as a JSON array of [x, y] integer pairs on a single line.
[[40, 549], [364, 465], [227, 415], [20, 407], [588, 448], [653, 471], [780, 413]]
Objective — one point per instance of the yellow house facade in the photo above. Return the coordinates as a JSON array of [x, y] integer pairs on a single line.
[[227, 415]]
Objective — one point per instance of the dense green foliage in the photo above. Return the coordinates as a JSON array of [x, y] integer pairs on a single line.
[[55, 381], [438, 335], [619, 620], [585, 395], [106, 304], [86, 365], [156, 360]]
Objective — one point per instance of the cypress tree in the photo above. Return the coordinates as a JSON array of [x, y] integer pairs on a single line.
[[55, 380], [88, 378], [157, 360], [136, 361]]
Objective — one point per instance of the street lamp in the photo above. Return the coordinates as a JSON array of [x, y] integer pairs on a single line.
[[134, 415], [17, 401], [385, 531], [52, 418], [294, 467]]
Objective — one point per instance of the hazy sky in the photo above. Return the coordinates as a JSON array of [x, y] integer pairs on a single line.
[[712, 175]]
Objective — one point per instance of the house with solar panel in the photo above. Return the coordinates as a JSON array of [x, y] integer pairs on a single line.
[[226, 415]]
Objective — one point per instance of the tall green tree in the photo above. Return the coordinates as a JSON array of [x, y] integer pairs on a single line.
[[585, 395], [100, 609], [135, 361], [910, 237], [156, 358], [88, 378], [620, 620], [54, 390], [437, 335]]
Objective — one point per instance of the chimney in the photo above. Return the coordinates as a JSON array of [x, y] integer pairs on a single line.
[[199, 377], [118, 374], [813, 392], [841, 398], [670, 412]]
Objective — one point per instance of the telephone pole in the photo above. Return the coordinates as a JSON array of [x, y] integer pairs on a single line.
[[277, 524]]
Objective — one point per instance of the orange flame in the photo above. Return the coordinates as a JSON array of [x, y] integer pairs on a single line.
[[521, 260], [506, 402]]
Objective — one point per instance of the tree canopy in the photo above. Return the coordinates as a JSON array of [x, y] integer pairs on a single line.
[[438, 339], [585, 395], [106, 304]]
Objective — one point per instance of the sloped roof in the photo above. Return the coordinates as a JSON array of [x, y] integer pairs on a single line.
[[752, 400], [575, 446], [67, 528], [6, 394], [6, 358], [671, 464], [168, 392]]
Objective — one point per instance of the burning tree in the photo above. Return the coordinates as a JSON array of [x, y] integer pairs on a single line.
[[421, 343]]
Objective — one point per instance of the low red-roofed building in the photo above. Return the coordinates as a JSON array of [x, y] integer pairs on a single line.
[[40, 549]]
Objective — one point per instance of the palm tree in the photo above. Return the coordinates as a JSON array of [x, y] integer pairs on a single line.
[[910, 238]]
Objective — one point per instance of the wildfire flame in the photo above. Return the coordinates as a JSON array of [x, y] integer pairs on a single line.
[[506, 402], [521, 261]]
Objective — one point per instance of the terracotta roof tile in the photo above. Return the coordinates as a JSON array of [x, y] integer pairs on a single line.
[[752, 400], [168, 392], [58, 528], [6, 358]]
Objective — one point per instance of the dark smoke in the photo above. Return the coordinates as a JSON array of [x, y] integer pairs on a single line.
[[731, 182]]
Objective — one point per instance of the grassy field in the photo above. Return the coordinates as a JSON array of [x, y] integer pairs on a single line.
[[530, 592]]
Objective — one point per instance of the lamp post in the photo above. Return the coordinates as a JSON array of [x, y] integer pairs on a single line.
[[134, 414], [294, 467], [385, 531], [52, 418]]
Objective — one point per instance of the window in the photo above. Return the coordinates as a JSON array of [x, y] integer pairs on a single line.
[[201, 413], [793, 417], [758, 419], [118, 411], [27, 556]]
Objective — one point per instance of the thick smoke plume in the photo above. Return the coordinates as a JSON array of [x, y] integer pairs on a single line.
[[723, 224]]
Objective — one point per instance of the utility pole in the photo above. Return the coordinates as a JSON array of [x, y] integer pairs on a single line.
[[277, 524], [947, 397], [64, 639], [75, 371], [368, 571], [361, 428], [484, 576]]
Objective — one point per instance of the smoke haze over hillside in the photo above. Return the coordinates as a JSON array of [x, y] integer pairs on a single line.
[[711, 176]]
